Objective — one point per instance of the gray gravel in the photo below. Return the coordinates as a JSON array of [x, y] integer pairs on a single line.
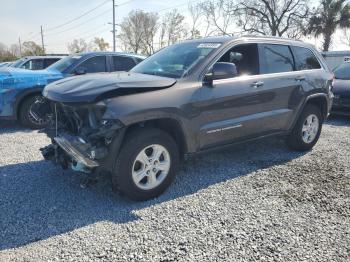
[[256, 201]]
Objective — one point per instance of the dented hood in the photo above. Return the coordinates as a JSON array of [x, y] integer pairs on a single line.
[[94, 87]]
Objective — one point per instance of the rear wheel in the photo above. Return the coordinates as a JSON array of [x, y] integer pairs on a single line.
[[32, 113], [147, 164], [307, 130]]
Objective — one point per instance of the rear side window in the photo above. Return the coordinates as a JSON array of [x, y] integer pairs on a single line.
[[94, 64], [276, 59], [305, 59], [123, 63], [50, 61]]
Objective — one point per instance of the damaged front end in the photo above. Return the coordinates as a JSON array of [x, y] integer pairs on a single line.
[[81, 139]]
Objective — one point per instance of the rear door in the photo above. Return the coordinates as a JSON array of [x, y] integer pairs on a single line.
[[278, 68]]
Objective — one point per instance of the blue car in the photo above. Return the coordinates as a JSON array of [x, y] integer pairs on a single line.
[[20, 89]]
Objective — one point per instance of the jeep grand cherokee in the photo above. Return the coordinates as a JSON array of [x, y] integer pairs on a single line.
[[187, 98]]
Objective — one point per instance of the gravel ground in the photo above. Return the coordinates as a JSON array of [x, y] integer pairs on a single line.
[[252, 202]]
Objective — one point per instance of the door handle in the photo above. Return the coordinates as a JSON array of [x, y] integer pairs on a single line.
[[257, 84], [300, 78]]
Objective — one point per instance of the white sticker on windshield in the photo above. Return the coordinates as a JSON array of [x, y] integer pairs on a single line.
[[76, 57], [208, 45]]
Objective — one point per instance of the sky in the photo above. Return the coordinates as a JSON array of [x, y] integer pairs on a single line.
[[23, 18]]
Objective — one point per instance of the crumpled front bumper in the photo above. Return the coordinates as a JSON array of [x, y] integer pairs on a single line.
[[72, 151], [75, 152]]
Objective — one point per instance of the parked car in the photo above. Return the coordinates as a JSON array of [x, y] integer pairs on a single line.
[[185, 99], [20, 90], [5, 64], [36, 62], [341, 90], [336, 58]]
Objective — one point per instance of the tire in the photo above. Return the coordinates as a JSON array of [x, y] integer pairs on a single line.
[[24, 114], [129, 164], [305, 140]]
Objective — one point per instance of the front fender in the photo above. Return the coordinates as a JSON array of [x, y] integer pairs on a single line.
[[10, 100]]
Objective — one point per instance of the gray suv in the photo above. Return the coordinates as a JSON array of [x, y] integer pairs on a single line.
[[187, 98]]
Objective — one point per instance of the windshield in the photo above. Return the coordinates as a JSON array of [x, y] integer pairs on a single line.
[[18, 62], [343, 72], [176, 60], [64, 63]]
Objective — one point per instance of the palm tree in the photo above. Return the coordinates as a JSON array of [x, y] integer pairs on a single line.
[[330, 15]]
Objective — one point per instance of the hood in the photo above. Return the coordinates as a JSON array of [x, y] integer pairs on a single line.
[[11, 77], [95, 87], [341, 87]]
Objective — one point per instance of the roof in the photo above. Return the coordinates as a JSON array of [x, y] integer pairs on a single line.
[[336, 53], [112, 53], [42, 56], [224, 39]]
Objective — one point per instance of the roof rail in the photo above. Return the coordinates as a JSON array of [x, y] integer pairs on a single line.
[[271, 37]]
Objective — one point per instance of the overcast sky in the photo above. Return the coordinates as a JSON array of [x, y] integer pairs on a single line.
[[23, 18]]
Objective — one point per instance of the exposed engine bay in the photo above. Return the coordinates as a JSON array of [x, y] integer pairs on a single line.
[[80, 138]]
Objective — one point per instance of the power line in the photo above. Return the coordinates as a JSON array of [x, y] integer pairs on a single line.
[[86, 33], [85, 38], [172, 7], [124, 3], [83, 23], [77, 18]]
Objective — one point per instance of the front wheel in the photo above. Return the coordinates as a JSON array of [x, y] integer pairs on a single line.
[[307, 130], [34, 111], [146, 165]]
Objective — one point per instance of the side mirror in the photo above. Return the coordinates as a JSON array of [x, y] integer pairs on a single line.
[[80, 71], [222, 70]]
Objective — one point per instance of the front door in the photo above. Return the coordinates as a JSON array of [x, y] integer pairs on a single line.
[[252, 104]]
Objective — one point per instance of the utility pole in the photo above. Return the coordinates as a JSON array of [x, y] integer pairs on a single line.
[[113, 25], [20, 47], [42, 38]]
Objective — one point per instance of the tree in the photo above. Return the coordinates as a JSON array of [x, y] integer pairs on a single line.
[[329, 16], [15, 50], [219, 15], [6, 54], [77, 46], [196, 12], [32, 48], [172, 28], [273, 17], [345, 37], [137, 32], [99, 44], [149, 27]]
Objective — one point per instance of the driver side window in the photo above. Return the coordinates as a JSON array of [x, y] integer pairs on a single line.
[[245, 57]]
